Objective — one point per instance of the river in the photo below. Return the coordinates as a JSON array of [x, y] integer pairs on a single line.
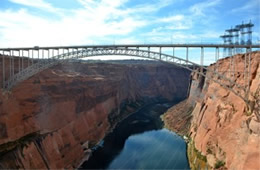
[[140, 142]]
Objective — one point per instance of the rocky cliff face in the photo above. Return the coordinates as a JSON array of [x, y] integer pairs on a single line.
[[225, 131], [51, 119]]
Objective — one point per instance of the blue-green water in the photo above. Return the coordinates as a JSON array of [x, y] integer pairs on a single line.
[[140, 142]]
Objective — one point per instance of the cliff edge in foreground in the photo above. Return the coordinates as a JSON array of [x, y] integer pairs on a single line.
[[224, 131]]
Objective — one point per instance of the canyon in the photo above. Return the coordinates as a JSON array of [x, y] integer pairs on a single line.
[[52, 119], [223, 130]]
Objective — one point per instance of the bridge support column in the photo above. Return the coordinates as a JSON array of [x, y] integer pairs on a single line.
[[160, 51], [28, 61], [245, 68], [173, 53], [22, 61], [249, 70], [52, 57], [10, 63], [19, 60], [48, 56], [202, 58], [58, 53], [32, 56], [38, 54], [149, 52], [217, 58], [63, 52], [234, 63], [43, 56], [231, 66], [12, 56], [3, 59], [187, 55]]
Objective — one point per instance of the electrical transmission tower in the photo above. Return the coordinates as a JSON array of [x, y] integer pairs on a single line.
[[245, 31]]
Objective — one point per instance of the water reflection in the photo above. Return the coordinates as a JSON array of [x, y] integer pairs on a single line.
[[158, 149], [139, 142]]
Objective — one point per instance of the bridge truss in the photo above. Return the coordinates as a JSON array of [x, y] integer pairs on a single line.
[[33, 60]]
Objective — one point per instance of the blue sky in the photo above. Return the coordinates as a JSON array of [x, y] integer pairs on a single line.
[[82, 22]]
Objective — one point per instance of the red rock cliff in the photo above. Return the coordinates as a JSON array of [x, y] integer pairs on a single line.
[[46, 121], [223, 129]]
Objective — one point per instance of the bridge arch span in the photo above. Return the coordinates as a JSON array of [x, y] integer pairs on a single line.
[[129, 52], [91, 52]]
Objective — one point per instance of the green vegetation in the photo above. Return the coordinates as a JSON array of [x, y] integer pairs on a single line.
[[209, 151], [199, 155], [219, 164], [196, 159]]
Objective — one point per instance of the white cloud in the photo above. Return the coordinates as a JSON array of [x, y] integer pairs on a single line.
[[106, 21], [171, 18], [79, 26], [152, 7], [95, 21], [251, 4], [37, 4], [199, 8]]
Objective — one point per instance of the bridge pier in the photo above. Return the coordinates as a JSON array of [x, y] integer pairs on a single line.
[[38, 55], [149, 52], [247, 71], [52, 56], [216, 58], [32, 55], [28, 61], [10, 64], [43, 55], [3, 62], [12, 56], [22, 65], [160, 51], [231, 65], [187, 55], [63, 52], [202, 58], [19, 62]]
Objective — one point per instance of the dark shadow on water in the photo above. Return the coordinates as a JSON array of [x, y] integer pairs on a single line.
[[140, 142]]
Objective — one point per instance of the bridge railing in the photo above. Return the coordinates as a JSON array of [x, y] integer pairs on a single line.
[[38, 63]]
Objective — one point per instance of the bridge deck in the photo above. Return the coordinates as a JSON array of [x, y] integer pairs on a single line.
[[137, 45]]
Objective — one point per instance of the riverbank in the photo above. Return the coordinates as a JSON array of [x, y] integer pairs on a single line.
[[178, 118]]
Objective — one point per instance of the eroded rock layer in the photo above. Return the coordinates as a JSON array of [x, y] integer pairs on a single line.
[[51, 119], [224, 130]]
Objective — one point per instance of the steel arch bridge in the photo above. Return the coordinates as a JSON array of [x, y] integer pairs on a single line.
[[63, 54]]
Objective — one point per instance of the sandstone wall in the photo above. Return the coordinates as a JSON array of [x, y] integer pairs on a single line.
[[49, 120], [223, 128]]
